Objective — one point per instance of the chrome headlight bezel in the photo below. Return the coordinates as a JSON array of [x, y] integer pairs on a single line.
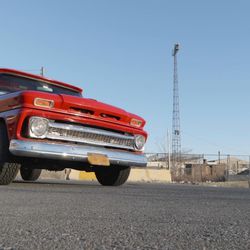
[[38, 127], [140, 141]]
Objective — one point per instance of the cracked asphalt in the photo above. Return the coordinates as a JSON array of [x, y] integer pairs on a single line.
[[84, 215]]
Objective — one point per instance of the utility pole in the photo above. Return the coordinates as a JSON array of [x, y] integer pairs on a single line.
[[169, 150], [176, 132]]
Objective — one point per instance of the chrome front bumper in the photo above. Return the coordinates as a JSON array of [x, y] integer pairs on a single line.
[[57, 151]]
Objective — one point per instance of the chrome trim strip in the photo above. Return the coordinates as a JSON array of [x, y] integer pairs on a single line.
[[74, 152]]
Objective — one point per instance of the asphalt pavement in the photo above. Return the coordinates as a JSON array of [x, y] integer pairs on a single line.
[[84, 215]]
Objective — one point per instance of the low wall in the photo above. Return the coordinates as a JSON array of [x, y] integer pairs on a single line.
[[149, 175], [136, 175]]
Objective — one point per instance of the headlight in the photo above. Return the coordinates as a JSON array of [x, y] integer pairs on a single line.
[[38, 127], [139, 142]]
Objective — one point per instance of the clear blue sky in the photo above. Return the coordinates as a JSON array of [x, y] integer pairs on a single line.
[[119, 52]]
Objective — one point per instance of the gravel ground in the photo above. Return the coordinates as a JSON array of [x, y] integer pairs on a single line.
[[82, 215]]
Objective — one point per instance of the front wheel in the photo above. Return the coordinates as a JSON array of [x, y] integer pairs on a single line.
[[112, 176], [8, 172], [8, 169], [29, 174]]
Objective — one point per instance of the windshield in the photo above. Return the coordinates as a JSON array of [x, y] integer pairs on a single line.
[[10, 83]]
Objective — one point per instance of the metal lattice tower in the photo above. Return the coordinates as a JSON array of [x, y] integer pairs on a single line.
[[176, 133]]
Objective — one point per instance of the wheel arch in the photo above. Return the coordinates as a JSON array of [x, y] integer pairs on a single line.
[[3, 121]]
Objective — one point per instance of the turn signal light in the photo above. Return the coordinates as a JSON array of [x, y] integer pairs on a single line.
[[40, 102], [136, 123]]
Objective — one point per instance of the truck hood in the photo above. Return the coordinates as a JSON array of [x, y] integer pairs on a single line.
[[98, 110], [81, 107]]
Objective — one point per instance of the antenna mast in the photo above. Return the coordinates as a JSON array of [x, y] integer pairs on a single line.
[[42, 71], [176, 133]]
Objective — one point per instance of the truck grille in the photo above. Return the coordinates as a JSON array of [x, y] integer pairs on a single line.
[[94, 136]]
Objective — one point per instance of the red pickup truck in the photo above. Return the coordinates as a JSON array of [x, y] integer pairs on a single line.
[[47, 124]]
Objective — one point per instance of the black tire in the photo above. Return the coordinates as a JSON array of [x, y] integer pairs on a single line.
[[29, 174], [112, 176], [8, 170]]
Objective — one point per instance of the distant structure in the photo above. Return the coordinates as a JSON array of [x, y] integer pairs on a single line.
[[42, 71], [176, 133]]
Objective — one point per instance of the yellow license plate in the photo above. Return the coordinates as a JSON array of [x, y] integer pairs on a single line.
[[98, 160]]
